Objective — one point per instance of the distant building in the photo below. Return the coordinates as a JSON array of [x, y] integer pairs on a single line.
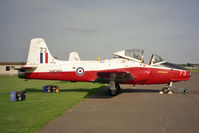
[[7, 68]]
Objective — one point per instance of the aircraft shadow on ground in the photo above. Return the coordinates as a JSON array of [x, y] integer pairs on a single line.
[[176, 91], [33, 90], [139, 91], [61, 90], [100, 92], [75, 90], [103, 92], [64, 90]]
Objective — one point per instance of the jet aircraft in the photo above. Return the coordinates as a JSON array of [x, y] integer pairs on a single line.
[[127, 67]]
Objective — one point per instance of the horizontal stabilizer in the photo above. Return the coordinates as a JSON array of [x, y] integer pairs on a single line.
[[25, 68]]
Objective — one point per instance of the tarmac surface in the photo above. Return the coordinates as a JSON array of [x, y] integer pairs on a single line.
[[139, 110]]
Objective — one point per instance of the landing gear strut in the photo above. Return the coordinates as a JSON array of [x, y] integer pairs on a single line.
[[170, 89], [114, 88], [167, 90]]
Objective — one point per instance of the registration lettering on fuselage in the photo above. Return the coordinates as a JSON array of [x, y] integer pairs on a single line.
[[55, 71], [162, 71]]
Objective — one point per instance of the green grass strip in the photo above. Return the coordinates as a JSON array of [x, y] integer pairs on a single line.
[[194, 70], [39, 108]]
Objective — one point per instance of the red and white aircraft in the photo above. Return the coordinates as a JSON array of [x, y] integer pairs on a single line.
[[127, 67]]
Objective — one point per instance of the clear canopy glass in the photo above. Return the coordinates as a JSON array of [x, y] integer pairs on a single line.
[[157, 59], [134, 53]]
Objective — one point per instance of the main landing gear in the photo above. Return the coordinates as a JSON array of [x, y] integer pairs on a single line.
[[114, 88]]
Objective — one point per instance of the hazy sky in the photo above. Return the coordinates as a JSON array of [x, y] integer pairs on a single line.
[[95, 28]]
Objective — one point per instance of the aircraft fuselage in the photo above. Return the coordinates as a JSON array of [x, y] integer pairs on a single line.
[[86, 71]]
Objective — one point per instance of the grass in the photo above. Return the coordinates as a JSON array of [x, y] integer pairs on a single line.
[[39, 108], [194, 70]]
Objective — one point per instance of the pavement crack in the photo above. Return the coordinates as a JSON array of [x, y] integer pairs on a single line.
[[164, 123]]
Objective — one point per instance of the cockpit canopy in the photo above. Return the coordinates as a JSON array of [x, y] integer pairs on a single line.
[[156, 60], [135, 53], [138, 56], [131, 54]]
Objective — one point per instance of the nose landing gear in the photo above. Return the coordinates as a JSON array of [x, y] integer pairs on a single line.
[[169, 89]]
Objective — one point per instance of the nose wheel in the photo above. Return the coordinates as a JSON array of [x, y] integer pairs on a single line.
[[167, 90]]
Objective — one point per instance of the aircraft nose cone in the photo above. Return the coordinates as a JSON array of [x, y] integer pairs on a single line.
[[185, 74], [188, 74]]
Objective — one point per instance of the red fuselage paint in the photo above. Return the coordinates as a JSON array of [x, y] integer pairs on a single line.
[[141, 75]]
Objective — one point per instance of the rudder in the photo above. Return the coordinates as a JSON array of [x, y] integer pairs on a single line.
[[38, 52]]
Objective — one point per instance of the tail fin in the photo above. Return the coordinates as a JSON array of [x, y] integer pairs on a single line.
[[38, 52]]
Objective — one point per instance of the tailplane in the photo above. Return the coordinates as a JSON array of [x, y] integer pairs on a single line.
[[39, 53]]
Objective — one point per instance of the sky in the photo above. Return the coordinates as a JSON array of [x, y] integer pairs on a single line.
[[169, 28]]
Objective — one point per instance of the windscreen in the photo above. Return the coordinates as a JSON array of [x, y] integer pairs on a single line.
[[134, 53], [157, 59]]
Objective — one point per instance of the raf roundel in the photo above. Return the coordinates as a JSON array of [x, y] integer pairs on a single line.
[[80, 71]]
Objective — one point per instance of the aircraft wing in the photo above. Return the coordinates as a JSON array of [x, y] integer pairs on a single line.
[[117, 76]]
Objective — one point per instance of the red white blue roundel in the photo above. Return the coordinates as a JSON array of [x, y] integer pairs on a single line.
[[80, 71]]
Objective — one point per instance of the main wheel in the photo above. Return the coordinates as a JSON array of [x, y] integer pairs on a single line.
[[115, 91], [117, 86], [165, 90]]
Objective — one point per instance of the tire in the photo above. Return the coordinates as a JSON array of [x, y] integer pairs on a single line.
[[165, 90], [118, 87], [114, 92]]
